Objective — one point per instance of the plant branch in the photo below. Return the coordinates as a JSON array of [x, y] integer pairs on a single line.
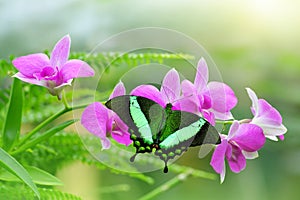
[[166, 186], [48, 121]]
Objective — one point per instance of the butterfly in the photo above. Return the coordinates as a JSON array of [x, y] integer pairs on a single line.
[[167, 132]]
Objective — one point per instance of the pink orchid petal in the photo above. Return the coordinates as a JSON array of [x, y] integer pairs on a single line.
[[237, 161], [222, 116], [229, 151], [119, 90], [105, 142], [26, 79], [250, 155], [201, 77], [281, 137], [188, 88], [271, 130], [267, 114], [94, 119], [222, 174], [121, 137], [60, 53], [254, 99], [170, 88], [272, 137], [63, 85], [31, 64], [110, 121], [205, 100], [119, 123], [118, 129], [218, 157], [249, 137], [209, 116], [186, 104], [223, 97], [74, 69], [233, 130], [150, 92]]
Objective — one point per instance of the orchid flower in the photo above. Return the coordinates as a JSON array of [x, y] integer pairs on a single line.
[[169, 92], [54, 73], [267, 117], [102, 122], [213, 99], [242, 140]]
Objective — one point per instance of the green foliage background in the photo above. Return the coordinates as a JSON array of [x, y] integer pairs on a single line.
[[253, 44]]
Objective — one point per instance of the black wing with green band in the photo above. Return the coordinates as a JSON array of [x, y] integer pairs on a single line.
[[169, 132]]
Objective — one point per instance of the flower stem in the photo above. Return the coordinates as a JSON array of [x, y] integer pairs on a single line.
[[224, 122], [166, 186], [64, 100], [47, 121]]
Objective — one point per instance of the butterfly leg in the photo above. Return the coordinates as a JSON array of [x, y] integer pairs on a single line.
[[166, 167]]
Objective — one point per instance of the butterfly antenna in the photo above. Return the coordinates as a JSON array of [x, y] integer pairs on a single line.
[[133, 157]]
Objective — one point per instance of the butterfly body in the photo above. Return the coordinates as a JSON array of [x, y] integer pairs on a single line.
[[167, 132]]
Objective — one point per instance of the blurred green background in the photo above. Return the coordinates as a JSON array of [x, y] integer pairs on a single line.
[[254, 44]]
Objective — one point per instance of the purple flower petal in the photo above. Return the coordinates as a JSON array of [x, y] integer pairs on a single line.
[[118, 129], [272, 137], [188, 88], [47, 72], [119, 123], [222, 174], [222, 116], [209, 116], [68, 83], [250, 155], [201, 77], [233, 130], [119, 90], [60, 53], [121, 137], [150, 92], [254, 99], [31, 64], [281, 137], [249, 137], [94, 119], [218, 157], [74, 69], [105, 143], [34, 81], [223, 97], [271, 131], [267, 114], [170, 88], [186, 104], [237, 161], [205, 100]]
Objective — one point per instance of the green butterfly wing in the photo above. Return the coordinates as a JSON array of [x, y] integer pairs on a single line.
[[144, 118], [168, 131], [184, 130]]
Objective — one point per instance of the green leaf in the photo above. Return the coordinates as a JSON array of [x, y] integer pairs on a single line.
[[11, 130], [17, 191], [44, 136], [39, 176], [12, 165]]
